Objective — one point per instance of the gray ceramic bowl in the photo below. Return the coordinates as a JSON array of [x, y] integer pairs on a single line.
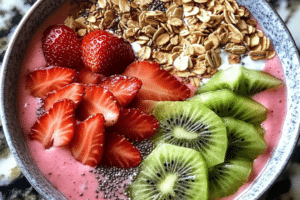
[[266, 16]]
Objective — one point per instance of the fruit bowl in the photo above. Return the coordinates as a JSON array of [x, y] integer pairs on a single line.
[[261, 11]]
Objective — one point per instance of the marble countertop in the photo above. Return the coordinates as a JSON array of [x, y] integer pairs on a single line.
[[16, 186]]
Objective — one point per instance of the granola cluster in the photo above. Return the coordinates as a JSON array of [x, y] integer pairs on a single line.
[[184, 36]]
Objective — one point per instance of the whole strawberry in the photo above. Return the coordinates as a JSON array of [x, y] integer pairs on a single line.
[[106, 53], [61, 46]]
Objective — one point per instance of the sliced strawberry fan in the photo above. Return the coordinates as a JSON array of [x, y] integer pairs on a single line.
[[74, 92], [86, 76], [43, 81], [106, 126], [88, 141], [135, 124], [158, 84], [56, 127], [146, 106], [124, 88], [119, 152], [98, 100]]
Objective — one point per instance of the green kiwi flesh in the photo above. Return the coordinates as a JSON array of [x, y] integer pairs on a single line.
[[240, 80], [226, 178], [192, 125], [260, 130], [171, 173], [244, 139], [225, 103]]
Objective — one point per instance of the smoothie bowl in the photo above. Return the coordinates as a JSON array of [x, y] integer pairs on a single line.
[[172, 100]]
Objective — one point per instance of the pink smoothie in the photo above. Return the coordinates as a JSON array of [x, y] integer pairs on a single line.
[[68, 175], [276, 102], [74, 179]]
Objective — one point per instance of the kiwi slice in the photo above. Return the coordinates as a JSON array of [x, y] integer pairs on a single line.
[[241, 80], [171, 172], [192, 125], [226, 178], [225, 103], [244, 139], [260, 130]]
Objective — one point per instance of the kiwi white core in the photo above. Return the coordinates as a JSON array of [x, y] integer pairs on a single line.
[[181, 133], [168, 184]]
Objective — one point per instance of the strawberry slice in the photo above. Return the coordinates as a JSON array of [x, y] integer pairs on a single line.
[[86, 76], [135, 124], [158, 84], [61, 46], [74, 92], [146, 106], [55, 128], [87, 145], [99, 100], [119, 152], [124, 88], [43, 81]]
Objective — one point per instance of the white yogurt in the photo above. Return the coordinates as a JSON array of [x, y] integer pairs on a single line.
[[245, 61], [136, 47]]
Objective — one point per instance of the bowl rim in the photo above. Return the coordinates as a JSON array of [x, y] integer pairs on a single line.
[[297, 138], [272, 180], [3, 74]]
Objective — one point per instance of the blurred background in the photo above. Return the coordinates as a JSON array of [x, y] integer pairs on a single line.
[[14, 186]]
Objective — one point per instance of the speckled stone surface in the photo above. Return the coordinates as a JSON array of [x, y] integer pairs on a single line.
[[288, 184]]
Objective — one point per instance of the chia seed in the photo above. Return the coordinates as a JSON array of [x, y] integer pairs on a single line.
[[157, 5], [84, 14], [113, 178], [40, 110]]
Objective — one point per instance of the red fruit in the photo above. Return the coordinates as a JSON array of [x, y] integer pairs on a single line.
[[55, 128], [99, 100], [158, 84], [120, 152], [87, 145], [146, 106], [106, 53], [74, 92], [86, 76], [61, 46], [124, 88], [135, 124], [43, 81]]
